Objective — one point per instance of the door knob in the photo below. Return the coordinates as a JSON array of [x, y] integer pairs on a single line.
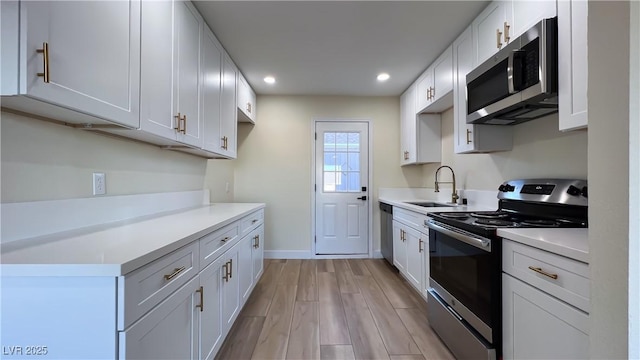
[[362, 198]]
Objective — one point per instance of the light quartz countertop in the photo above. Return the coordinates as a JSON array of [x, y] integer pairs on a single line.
[[572, 243], [119, 249]]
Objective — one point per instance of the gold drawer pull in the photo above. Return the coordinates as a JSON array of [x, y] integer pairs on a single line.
[[254, 221], [201, 306], [225, 239], [498, 35], [45, 57], [175, 273], [540, 271]]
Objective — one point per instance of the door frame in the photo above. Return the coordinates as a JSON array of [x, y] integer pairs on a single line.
[[369, 191]]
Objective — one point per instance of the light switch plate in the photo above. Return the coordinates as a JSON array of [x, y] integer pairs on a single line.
[[99, 184]]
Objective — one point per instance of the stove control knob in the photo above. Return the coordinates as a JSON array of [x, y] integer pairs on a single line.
[[573, 191], [501, 188], [509, 188], [584, 192]]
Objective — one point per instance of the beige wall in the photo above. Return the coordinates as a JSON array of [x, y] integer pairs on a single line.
[[44, 161], [220, 180], [274, 159], [539, 150]]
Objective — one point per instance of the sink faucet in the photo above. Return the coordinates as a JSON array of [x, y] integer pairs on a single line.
[[454, 194]]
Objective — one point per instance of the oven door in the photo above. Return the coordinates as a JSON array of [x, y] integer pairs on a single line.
[[465, 273]]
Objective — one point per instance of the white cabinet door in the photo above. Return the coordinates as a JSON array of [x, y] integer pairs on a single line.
[[211, 330], [245, 263], [488, 29], [158, 110], [246, 101], [228, 112], [527, 13], [539, 326], [425, 265], [414, 249], [187, 38], [408, 126], [442, 80], [211, 91], [93, 58], [230, 287], [572, 64], [257, 255], [174, 319], [424, 89], [399, 247], [470, 138], [170, 91]]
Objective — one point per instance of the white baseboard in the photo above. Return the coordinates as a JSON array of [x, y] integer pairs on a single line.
[[287, 254]]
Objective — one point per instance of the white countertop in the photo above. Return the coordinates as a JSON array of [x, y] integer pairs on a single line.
[[117, 250], [572, 243], [404, 203]]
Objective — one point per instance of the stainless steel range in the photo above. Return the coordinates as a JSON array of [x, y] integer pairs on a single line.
[[465, 259]]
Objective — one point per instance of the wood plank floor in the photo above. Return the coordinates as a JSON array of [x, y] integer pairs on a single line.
[[333, 309]]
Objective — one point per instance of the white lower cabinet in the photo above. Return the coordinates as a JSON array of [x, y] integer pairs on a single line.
[[410, 248], [169, 331], [245, 261], [536, 325], [257, 254], [210, 319], [545, 297]]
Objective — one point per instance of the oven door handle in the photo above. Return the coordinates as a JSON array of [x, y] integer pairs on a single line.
[[481, 243]]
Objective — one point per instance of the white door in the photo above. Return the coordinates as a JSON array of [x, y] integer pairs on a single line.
[[342, 174]]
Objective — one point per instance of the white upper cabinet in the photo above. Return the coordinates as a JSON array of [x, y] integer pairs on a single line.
[[470, 138], [489, 29], [572, 64], [420, 138], [527, 13], [211, 91], [435, 85], [246, 101], [171, 32], [83, 56], [228, 113]]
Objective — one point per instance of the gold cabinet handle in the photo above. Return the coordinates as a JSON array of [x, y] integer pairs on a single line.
[[257, 241], [507, 38], [226, 238], [498, 35], [184, 121], [249, 107], [254, 221], [225, 277], [420, 245], [175, 273], [406, 155], [45, 60], [540, 271], [428, 94], [230, 268], [201, 306], [178, 121], [224, 142], [468, 136], [433, 93]]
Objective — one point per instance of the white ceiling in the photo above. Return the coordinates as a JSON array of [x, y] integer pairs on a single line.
[[336, 47]]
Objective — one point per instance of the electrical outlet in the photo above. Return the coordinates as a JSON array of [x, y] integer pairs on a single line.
[[99, 184]]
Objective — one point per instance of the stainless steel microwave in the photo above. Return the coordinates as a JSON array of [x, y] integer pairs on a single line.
[[520, 82]]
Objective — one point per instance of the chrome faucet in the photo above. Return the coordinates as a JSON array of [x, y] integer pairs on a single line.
[[454, 194]]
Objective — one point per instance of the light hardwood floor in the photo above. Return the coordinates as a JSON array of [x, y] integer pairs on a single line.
[[333, 309]]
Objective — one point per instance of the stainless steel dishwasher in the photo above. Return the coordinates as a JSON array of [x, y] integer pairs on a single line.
[[386, 232]]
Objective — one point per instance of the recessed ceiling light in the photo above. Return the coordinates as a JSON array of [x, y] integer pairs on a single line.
[[383, 77], [270, 80]]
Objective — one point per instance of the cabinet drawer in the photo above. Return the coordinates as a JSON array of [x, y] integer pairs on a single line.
[[251, 222], [413, 219], [149, 285], [564, 278], [211, 246]]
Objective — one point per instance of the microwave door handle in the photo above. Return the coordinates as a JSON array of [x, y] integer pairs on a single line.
[[514, 71]]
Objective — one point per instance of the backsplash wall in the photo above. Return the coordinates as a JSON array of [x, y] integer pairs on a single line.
[[540, 150], [44, 161]]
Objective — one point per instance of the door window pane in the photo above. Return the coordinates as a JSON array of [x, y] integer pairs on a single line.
[[341, 162]]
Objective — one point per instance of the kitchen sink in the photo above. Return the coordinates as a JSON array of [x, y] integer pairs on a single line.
[[430, 204]]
